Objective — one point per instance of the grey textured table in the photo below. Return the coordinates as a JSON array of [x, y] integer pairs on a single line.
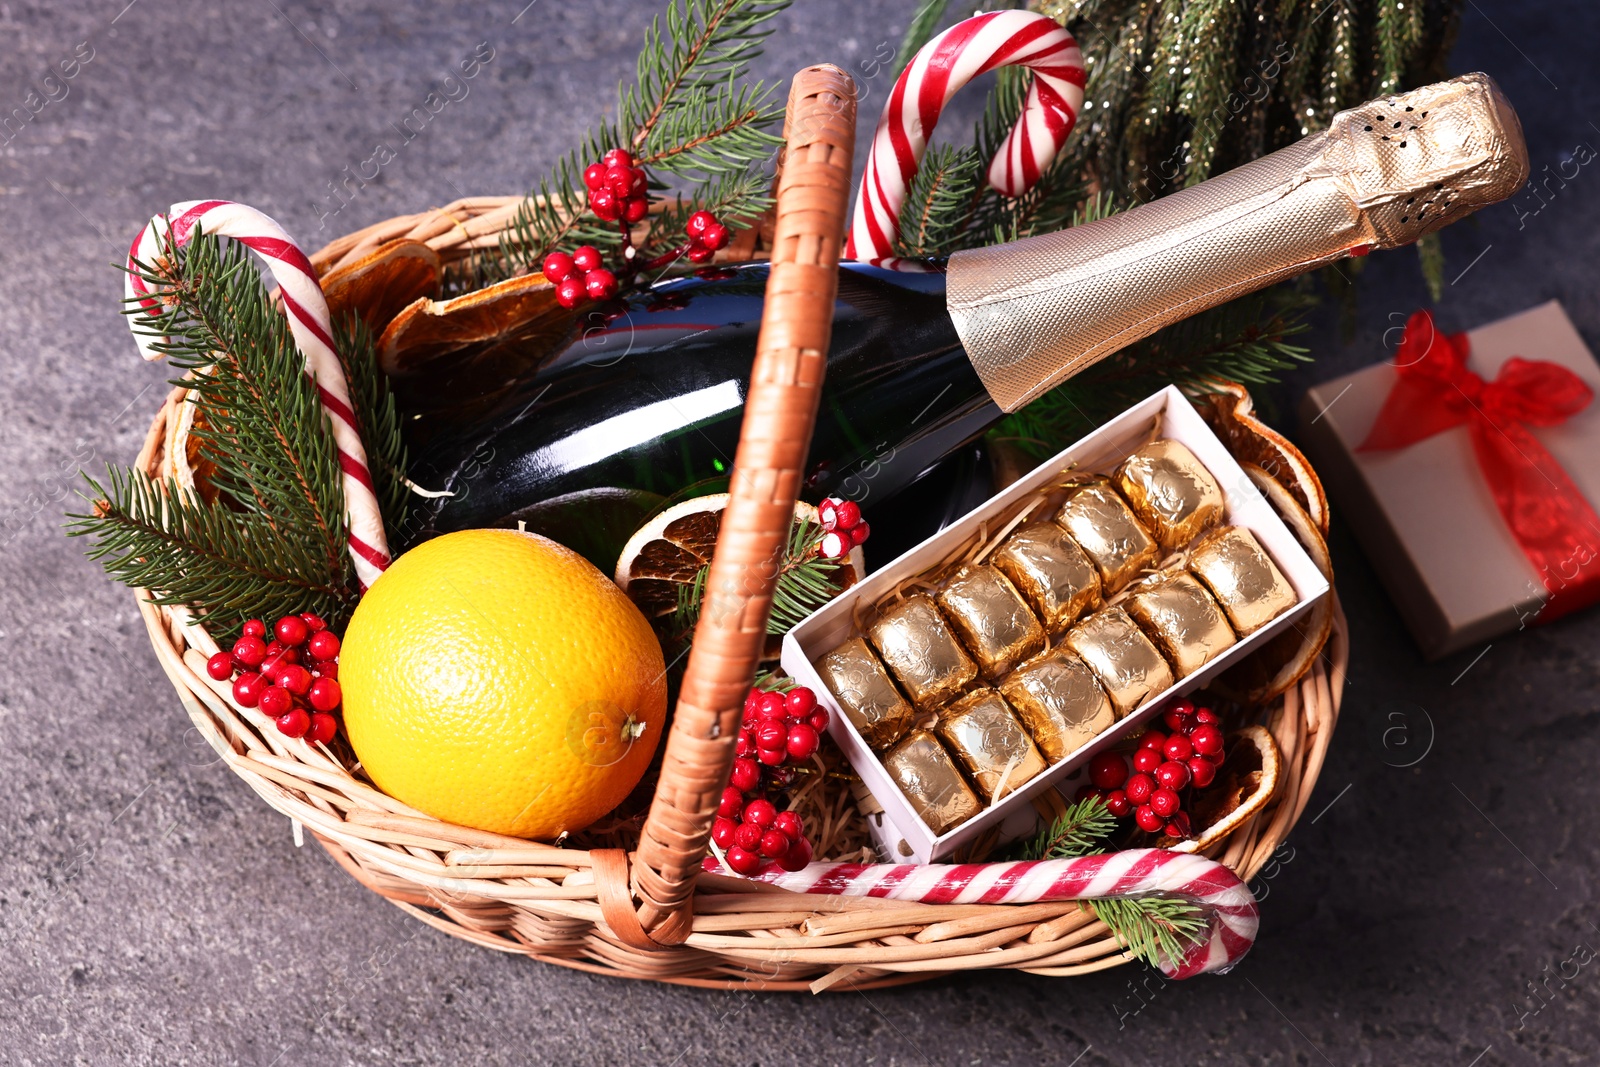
[[153, 910]]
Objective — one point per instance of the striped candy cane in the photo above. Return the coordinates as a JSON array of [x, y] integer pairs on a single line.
[[1226, 901], [946, 63], [311, 326]]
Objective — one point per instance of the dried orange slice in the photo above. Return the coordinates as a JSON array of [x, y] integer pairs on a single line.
[[382, 282], [1245, 782], [513, 310], [667, 554]]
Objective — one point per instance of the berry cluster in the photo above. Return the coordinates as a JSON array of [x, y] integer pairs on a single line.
[[706, 235], [778, 730], [617, 188], [579, 276], [1164, 765], [842, 526], [269, 675]]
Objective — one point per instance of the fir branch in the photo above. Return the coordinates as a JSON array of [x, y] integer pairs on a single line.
[[930, 219], [1080, 830], [737, 200], [1152, 929], [803, 585], [923, 28]]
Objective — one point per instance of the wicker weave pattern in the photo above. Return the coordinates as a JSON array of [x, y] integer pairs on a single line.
[[577, 908]]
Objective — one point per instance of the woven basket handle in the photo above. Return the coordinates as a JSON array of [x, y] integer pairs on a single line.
[[785, 385]]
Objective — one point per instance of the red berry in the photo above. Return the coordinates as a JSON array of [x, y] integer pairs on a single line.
[[294, 722], [249, 651], [1202, 772], [1153, 739], [586, 258], [846, 514], [1207, 739], [789, 822], [635, 208], [773, 706], [1118, 804], [1206, 715], [1164, 802], [570, 293], [742, 860], [1183, 706], [255, 628], [1108, 770], [1175, 720], [295, 678], [619, 180], [775, 845], [600, 284], [819, 720], [325, 694], [593, 175], [722, 832], [1085, 791], [700, 254], [1179, 825], [1178, 747], [291, 630], [798, 856], [275, 702], [772, 757], [745, 744], [771, 733], [752, 700], [731, 804], [1147, 819], [1172, 775], [800, 702], [247, 689], [617, 157], [716, 236], [557, 267], [275, 662], [828, 512], [325, 668], [324, 644], [803, 741], [275, 646], [1139, 787], [604, 203], [698, 222], [835, 545], [323, 727], [747, 835], [761, 811], [859, 533], [746, 775], [313, 621], [220, 667], [1147, 760]]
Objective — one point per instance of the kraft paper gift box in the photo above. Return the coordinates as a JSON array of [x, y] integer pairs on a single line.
[[1478, 514]]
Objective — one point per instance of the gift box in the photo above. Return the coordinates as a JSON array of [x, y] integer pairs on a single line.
[[1467, 467], [898, 830]]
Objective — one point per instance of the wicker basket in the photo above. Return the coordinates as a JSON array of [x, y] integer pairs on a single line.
[[652, 913]]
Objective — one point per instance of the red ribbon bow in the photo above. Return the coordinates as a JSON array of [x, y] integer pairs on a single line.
[[1556, 527]]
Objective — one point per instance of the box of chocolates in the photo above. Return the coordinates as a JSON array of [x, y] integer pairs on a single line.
[[989, 663]]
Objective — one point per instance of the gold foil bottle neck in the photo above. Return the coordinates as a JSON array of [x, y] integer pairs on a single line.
[[1035, 311]]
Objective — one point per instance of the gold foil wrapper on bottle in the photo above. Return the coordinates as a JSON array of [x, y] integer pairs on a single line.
[[986, 738], [1106, 529], [928, 777], [991, 619], [923, 655], [1130, 668], [1243, 578], [1177, 613], [1171, 492], [865, 692], [1060, 702], [1052, 573]]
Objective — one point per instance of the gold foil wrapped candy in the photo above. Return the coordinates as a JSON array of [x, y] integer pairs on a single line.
[[1051, 572], [863, 689], [929, 779], [921, 652], [1060, 702], [1177, 613], [990, 743], [1243, 578], [1171, 492], [1104, 527], [991, 619], [1122, 658]]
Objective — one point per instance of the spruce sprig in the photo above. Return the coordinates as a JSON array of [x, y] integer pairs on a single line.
[[1078, 831], [1152, 929], [803, 585], [931, 216]]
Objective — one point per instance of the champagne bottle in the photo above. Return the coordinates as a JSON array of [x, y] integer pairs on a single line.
[[641, 403]]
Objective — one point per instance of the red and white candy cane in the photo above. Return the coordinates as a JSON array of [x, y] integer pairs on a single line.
[[1226, 901], [311, 326], [946, 63]]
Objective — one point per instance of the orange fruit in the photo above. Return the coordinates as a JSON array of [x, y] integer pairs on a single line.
[[497, 680]]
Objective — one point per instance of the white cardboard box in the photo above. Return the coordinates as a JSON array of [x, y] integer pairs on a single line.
[[900, 833]]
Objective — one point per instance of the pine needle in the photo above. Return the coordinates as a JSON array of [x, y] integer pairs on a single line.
[[1152, 929], [1080, 830]]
